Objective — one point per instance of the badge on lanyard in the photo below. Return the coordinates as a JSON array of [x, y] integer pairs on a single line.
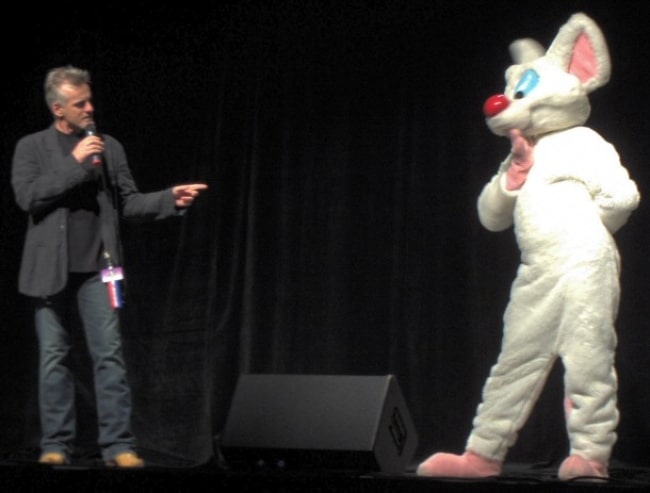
[[112, 276]]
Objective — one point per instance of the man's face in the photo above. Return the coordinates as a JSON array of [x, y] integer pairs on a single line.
[[77, 111]]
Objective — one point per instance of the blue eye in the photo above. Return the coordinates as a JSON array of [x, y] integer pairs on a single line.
[[527, 83]]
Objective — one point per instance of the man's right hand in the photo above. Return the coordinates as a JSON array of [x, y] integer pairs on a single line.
[[88, 146]]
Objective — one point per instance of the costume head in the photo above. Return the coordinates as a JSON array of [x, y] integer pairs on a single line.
[[548, 91]]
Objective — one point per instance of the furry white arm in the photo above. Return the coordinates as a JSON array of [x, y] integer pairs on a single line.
[[615, 208], [496, 204], [609, 183], [582, 155]]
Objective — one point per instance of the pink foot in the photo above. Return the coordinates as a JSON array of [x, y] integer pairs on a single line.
[[575, 466], [468, 465]]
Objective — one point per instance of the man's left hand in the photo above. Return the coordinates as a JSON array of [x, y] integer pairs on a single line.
[[184, 195]]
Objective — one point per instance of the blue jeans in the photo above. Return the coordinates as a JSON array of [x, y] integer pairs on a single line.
[[88, 295]]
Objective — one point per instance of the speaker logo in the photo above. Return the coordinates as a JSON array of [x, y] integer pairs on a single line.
[[398, 431]]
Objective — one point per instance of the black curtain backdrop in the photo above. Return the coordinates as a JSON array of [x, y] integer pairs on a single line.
[[344, 147]]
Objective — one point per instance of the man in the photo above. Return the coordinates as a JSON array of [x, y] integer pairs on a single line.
[[73, 183]]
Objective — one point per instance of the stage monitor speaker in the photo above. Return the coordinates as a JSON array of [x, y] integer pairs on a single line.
[[319, 421]]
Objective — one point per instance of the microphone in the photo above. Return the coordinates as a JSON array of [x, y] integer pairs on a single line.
[[91, 129]]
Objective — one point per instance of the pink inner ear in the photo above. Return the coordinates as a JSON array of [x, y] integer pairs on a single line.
[[583, 63]]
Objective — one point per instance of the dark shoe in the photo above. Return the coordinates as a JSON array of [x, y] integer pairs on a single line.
[[126, 460], [53, 458]]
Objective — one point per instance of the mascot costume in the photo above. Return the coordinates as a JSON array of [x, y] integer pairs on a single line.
[[566, 193]]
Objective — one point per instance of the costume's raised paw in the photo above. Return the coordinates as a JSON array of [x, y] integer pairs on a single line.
[[575, 466], [522, 159], [468, 465]]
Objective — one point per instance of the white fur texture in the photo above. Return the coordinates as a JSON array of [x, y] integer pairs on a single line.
[[564, 299]]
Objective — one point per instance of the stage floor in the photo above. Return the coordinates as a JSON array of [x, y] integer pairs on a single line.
[[29, 476]]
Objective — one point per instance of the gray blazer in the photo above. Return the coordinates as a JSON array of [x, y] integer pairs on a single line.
[[41, 177]]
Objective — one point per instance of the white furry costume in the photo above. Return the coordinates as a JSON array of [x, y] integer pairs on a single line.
[[566, 193], [565, 296]]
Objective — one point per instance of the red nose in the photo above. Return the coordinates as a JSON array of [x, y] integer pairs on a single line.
[[495, 105]]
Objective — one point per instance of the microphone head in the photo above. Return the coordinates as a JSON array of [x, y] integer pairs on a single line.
[[91, 129]]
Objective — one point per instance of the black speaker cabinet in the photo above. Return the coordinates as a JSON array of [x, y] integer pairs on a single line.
[[319, 421]]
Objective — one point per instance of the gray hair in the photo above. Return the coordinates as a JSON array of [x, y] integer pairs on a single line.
[[58, 76]]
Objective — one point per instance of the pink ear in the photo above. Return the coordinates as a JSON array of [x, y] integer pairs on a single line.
[[583, 63]]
